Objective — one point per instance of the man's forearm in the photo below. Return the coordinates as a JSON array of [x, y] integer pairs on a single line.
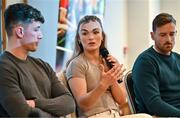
[[58, 106], [36, 112], [161, 108]]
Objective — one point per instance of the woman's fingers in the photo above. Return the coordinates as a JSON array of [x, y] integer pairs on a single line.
[[117, 71], [113, 60], [101, 67], [114, 74]]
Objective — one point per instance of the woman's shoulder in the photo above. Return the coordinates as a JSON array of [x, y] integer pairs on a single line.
[[79, 59]]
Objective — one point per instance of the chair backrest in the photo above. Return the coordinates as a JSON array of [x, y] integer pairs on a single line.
[[130, 92], [61, 76]]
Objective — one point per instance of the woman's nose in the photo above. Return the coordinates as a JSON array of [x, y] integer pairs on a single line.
[[91, 36]]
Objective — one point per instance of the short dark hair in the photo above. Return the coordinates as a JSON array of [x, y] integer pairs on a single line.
[[162, 19], [20, 13]]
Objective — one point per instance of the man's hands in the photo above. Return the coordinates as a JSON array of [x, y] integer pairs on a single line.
[[31, 103]]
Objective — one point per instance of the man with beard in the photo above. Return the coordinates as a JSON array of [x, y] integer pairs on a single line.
[[156, 71]]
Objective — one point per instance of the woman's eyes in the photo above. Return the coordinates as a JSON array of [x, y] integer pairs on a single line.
[[86, 33], [96, 32]]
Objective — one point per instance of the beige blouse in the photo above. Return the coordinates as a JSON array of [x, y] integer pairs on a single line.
[[81, 67]]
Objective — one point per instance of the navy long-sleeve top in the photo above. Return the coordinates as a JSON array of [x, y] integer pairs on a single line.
[[156, 80]]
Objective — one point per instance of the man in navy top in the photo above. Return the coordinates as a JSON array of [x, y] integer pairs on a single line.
[[156, 71]]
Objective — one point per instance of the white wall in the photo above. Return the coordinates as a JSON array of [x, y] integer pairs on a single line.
[[127, 24], [154, 9], [138, 28], [115, 27]]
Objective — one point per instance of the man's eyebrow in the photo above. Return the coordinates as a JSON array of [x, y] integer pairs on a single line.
[[163, 33], [173, 32]]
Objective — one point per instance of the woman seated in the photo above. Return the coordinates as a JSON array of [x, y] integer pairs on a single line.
[[93, 84]]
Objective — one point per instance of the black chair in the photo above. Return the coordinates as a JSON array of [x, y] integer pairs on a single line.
[[130, 92]]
